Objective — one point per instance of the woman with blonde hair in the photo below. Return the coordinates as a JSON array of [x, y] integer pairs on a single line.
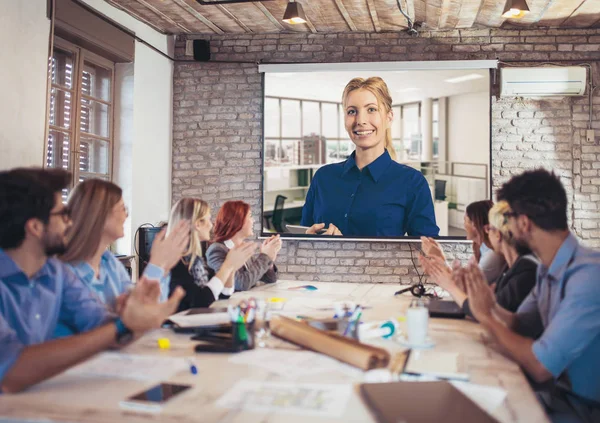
[[518, 277], [98, 214], [369, 194], [191, 273]]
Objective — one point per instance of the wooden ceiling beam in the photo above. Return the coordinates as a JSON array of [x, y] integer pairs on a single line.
[[199, 16], [445, 12], [137, 16], [373, 14], [410, 9], [235, 19], [345, 15], [162, 15], [469, 10], [269, 15], [310, 26], [586, 15]]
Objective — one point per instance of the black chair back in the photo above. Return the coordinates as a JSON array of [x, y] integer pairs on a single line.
[[440, 190], [278, 213]]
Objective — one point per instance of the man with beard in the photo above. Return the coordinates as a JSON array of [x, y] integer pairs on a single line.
[[564, 305], [37, 291]]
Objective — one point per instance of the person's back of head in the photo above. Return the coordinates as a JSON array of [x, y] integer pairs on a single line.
[[498, 220], [27, 193], [539, 195], [191, 210]]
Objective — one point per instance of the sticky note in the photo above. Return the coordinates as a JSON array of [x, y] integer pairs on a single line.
[[164, 344]]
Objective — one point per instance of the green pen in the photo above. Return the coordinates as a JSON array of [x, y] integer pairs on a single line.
[[242, 329]]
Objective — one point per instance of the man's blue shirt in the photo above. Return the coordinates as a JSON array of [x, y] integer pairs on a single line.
[[30, 308], [570, 342], [386, 198]]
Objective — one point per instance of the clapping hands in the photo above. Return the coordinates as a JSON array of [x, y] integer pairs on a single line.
[[271, 246]]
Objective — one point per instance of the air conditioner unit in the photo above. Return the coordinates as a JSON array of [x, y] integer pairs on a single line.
[[542, 81]]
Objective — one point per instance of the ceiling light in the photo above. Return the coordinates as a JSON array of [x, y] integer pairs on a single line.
[[515, 9], [294, 13], [464, 78], [407, 90]]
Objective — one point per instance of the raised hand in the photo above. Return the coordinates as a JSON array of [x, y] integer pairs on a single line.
[[432, 248], [438, 270], [140, 313], [458, 275], [481, 298], [237, 256], [167, 250], [271, 247]]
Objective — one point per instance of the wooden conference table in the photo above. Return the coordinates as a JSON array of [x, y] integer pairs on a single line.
[[75, 398]]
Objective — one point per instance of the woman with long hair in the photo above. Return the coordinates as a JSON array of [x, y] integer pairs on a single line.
[[476, 218], [519, 273], [98, 216], [233, 226], [370, 193], [201, 285]]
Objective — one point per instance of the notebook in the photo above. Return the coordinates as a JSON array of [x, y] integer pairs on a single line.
[[445, 309], [201, 317], [440, 364], [421, 402]]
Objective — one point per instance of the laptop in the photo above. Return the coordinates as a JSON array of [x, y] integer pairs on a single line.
[[445, 309]]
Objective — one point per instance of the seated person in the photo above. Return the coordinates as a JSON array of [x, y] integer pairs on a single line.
[[369, 193], [518, 278], [191, 272], [233, 225], [564, 305], [37, 291], [98, 214], [491, 262]]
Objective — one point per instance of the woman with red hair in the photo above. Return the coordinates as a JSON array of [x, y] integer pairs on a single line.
[[234, 224]]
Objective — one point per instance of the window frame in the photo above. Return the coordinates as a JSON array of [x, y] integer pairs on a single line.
[[80, 57]]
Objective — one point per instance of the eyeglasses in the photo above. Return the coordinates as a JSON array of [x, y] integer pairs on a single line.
[[65, 213]]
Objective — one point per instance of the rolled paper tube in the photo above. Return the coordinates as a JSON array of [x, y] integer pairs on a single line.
[[349, 351]]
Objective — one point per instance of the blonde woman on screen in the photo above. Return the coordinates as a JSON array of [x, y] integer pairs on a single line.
[[369, 194]]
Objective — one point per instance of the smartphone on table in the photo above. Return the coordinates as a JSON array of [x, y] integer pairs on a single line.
[[153, 399]]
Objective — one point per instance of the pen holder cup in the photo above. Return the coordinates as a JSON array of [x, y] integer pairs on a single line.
[[347, 328], [243, 335]]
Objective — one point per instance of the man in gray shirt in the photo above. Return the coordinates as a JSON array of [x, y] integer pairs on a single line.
[[564, 305]]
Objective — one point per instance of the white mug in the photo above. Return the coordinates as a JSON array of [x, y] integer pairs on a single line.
[[417, 321]]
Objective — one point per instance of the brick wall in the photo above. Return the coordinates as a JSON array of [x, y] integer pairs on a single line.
[[217, 130]]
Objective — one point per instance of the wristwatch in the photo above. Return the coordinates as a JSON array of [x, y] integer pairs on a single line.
[[124, 334]]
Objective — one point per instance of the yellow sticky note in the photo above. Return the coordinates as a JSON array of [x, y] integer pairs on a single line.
[[164, 344]]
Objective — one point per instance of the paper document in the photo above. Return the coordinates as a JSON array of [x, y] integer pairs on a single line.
[[130, 366], [488, 398], [444, 365], [294, 364], [287, 398], [197, 317]]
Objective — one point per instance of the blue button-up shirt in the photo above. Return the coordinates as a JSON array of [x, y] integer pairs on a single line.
[[112, 282], [570, 341], [386, 198], [30, 308]]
